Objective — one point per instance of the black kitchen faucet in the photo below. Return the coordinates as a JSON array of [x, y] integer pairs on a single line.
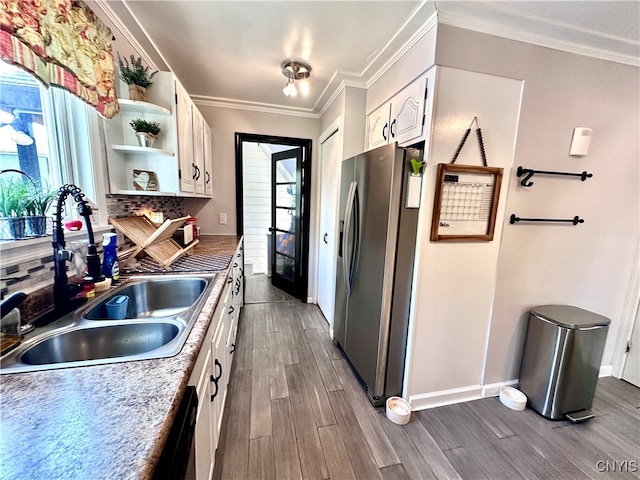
[[62, 291]]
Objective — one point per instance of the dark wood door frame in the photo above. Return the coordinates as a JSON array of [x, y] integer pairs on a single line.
[[306, 145]]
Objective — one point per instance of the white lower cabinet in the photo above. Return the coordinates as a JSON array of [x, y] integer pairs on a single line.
[[213, 367], [207, 377], [220, 372], [205, 445]]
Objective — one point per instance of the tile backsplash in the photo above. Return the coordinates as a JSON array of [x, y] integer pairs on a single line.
[[37, 273], [127, 205]]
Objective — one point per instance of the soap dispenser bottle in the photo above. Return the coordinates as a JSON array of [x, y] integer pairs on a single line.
[[110, 266]]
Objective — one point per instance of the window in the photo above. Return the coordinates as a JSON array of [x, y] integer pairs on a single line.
[[52, 136]]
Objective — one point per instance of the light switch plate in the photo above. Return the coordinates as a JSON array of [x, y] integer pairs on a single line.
[[222, 218]]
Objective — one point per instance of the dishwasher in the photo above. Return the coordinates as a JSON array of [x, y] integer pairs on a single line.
[[177, 461]]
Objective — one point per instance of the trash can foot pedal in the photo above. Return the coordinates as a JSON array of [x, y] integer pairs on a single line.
[[579, 416]]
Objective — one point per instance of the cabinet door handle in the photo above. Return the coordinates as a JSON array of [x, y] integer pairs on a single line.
[[208, 177], [214, 394], [197, 172], [230, 279], [193, 169], [218, 365], [231, 309], [238, 255], [393, 134], [384, 131], [235, 265], [233, 348]]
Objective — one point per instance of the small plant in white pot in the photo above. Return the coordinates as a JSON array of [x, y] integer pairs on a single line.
[[145, 131], [137, 76]]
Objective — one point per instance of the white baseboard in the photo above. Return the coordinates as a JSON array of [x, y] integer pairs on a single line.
[[493, 389], [445, 397], [311, 300], [606, 371], [473, 392]]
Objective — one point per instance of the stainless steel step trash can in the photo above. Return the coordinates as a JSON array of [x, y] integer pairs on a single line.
[[561, 360]]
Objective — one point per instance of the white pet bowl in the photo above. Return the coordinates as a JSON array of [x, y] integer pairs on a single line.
[[398, 410], [513, 398]]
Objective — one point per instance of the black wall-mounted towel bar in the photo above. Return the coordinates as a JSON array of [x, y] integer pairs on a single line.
[[575, 220], [528, 173]]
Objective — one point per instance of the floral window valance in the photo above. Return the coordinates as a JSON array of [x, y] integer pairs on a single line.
[[63, 44]]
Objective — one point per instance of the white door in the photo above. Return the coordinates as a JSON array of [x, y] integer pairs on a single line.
[[631, 372], [329, 172]]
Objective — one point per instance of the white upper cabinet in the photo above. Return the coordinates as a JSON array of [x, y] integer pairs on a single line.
[[175, 165], [208, 161], [401, 119], [184, 118], [198, 140], [378, 126]]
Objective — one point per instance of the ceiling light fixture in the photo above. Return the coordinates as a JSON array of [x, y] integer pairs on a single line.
[[294, 70]]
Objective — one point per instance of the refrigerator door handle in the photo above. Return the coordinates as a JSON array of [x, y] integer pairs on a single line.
[[345, 239], [355, 254]]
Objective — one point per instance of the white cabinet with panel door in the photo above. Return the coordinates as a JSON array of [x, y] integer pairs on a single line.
[[198, 140], [184, 118], [205, 438], [220, 367], [401, 119], [205, 420], [212, 369], [208, 161]]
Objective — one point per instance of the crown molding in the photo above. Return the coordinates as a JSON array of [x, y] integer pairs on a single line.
[[432, 22], [500, 30], [206, 101], [343, 84], [115, 20]]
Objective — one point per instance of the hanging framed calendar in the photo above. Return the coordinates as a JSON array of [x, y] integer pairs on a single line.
[[465, 203]]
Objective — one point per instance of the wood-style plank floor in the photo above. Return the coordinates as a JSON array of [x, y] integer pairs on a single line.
[[295, 410]]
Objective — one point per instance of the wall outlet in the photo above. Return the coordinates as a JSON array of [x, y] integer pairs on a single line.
[[222, 218]]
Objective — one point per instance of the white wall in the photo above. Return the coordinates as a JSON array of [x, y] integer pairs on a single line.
[[454, 282], [590, 265], [348, 106], [225, 123], [256, 178]]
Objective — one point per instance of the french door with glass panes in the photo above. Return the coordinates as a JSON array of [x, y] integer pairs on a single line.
[[286, 206]]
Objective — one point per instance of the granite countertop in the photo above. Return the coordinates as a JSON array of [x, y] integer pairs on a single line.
[[100, 422]]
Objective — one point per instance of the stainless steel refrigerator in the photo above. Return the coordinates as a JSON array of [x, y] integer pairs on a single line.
[[375, 267]]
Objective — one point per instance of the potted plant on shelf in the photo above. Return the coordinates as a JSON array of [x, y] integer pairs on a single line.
[[137, 76], [14, 196], [145, 131], [40, 199]]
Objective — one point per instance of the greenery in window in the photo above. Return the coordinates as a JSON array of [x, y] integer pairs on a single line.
[[40, 200], [14, 197], [52, 137]]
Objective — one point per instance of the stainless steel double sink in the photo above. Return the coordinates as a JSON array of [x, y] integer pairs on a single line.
[[160, 313]]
